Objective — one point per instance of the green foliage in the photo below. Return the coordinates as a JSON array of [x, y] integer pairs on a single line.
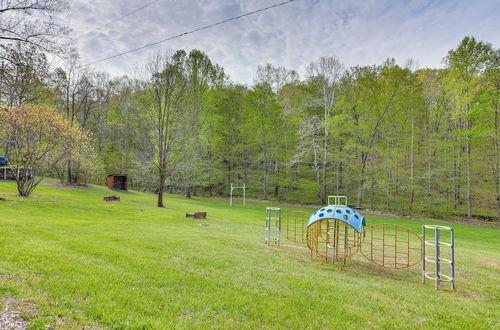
[[419, 142], [39, 140]]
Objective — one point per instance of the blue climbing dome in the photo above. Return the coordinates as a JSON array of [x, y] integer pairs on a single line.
[[342, 213]]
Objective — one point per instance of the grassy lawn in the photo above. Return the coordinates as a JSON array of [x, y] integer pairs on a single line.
[[81, 261]]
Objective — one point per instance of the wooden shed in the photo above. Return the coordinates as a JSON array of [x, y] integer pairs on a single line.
[[118, 182]]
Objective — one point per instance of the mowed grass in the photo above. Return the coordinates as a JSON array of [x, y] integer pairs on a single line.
[[131, 265]]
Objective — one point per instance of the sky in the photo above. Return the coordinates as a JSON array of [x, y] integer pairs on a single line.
[[358, 32]]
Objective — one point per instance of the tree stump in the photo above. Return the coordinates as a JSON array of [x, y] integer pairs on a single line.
[[197, 215]]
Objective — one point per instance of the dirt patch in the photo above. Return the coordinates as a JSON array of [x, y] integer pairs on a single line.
[[301, 247], [10, 313], [65, 185], [19, 314], [490, 263], [473, 294], [4, 276]]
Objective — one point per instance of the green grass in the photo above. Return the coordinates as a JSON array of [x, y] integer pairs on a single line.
[[131, 265]]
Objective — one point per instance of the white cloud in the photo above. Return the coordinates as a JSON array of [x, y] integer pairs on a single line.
[[357, 32]]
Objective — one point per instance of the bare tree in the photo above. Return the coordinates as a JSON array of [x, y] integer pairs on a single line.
[[78, 97], [32, 22], [23, 73], [166, 91]]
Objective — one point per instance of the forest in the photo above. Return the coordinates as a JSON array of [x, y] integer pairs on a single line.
[[391, 137]]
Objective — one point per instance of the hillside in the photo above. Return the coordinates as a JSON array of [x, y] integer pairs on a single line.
[[78, 261]]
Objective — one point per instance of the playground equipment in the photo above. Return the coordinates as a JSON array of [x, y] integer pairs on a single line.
[[294, 226], [391, 246], [335, 233], [273, 225], [231, 193], [437, 243]]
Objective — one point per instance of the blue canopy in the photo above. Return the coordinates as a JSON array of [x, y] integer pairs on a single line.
[[342, 213]]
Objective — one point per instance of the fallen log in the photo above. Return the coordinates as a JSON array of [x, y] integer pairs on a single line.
[[112, 199]]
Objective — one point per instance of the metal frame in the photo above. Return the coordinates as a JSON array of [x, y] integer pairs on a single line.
[[387, 245], [437, 244], [391, 246], [337, 200], [343, 241], [273, 214], [231, 194], [332, 239], [294, 226]]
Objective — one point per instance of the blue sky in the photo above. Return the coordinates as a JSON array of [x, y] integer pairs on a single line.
[[360, 32]]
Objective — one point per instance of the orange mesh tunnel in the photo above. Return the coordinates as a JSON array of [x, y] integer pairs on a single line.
[[293, 226], [391, 246]]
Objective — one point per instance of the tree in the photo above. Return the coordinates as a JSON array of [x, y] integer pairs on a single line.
[[466, 63], [194, 156], [262, 121], [280, 80], [488, 119], [229, 156], [39, 139], [24, 74], [32, 22], [77, 93], [372, 98], [325, 75], [164, 100]]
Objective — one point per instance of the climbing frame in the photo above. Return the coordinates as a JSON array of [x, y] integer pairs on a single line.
[[391, 246], [293, 226]]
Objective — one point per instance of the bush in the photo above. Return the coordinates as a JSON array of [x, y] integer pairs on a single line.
[[39, 139]]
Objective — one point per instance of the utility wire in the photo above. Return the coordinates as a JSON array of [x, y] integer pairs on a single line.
[[190, 32], [121, 17], [85, 5]]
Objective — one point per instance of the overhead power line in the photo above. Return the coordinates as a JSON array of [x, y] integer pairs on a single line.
[[85, 5], [122, 17], [190, 32]]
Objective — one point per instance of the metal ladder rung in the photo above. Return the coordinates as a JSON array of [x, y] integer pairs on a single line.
[[436, 259]]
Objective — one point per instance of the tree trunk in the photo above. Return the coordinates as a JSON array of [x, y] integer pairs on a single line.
[[412, 190], [497, 160], [372, 193], [70, 172], [359, 200], [338, 180], [266, 181], [469, 166], [469, 173], [161, 189], [325, 154]]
